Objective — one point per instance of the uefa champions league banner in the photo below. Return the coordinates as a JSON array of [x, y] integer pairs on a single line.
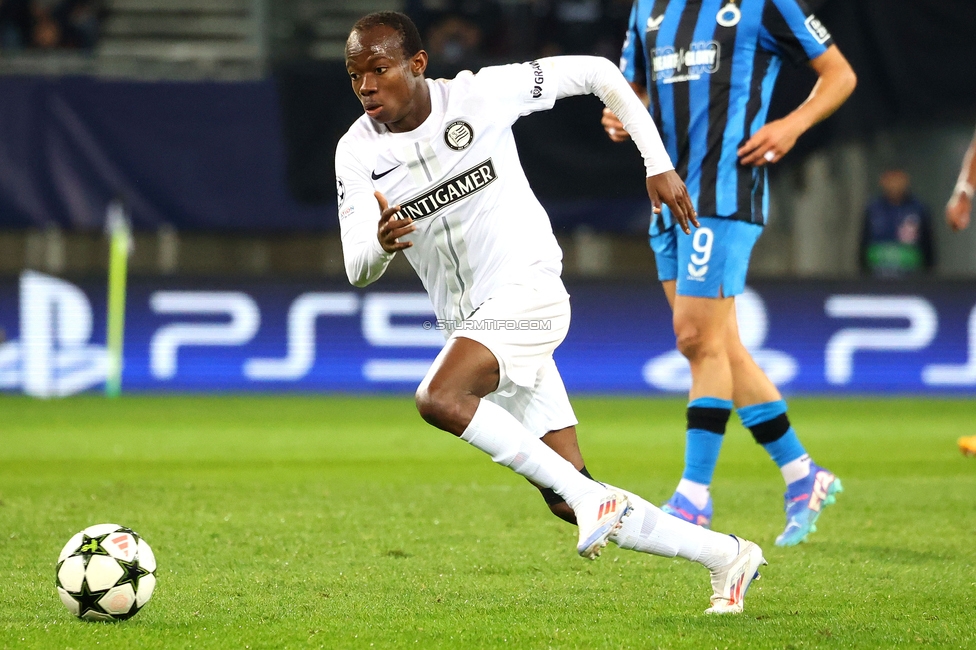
[[280, 336]]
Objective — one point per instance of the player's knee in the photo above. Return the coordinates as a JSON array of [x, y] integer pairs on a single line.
[[692, 342], [431, 404], [696, 342], [438, 405]]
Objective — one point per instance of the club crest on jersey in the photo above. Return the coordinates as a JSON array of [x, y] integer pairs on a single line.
[[459, 135], [729, 15]]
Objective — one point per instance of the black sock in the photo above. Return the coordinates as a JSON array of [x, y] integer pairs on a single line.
[[552, 498]]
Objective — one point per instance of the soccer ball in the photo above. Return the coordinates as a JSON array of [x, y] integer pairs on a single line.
[[106, 573]]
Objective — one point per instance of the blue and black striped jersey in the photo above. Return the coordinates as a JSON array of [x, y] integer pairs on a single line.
[[709, 67]]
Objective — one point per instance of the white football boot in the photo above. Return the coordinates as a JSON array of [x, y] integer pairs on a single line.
[[731, 582], [598, 516]]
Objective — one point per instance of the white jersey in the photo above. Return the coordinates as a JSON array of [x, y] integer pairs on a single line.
[[458, 176]]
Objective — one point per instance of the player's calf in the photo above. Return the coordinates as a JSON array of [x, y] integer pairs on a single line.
[[809, 487], [732, 561]]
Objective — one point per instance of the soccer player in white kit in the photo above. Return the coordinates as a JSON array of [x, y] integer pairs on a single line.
[[463, 214]]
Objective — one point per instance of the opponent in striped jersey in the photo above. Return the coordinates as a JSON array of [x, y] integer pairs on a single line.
[[467, 221], [707, 69]]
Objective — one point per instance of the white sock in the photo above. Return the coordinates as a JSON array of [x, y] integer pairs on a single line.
[[697, 493], [648, 530], [796, 469], [496, 432]]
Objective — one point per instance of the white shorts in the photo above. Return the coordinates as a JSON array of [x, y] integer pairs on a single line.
[[542, 408], [522, 326]]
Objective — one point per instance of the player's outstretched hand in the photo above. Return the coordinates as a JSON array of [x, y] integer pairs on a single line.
[[613, 126], [668, 188], [392, 227], [769, 144], [958, 211]]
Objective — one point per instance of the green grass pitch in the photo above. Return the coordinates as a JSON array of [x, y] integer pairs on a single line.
[[306, 522]]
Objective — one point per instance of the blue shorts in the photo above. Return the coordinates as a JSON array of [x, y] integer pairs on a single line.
[[713, 260]]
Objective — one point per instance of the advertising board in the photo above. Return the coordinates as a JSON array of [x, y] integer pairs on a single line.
[[240, 336]]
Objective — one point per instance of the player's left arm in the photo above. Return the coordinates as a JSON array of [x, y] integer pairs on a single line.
[[593, 75], [520, 89], [835, 83]]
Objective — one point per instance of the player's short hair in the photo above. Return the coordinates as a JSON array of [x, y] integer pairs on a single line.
[[410, 41]]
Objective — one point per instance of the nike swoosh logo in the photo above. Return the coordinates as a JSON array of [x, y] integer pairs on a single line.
[[376, 176]]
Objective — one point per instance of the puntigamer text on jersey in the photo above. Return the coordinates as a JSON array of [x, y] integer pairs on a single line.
[[450, 191]]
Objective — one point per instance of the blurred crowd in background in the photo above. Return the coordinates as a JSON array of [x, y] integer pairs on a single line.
[[49, 24], [897, 233], [469, 32], [913, 110]]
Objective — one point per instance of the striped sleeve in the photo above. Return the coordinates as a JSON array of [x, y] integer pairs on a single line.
[[632, 57], [791, 30]]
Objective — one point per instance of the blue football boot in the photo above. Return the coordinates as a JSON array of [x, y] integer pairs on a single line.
[[679, 506], [805, 500]]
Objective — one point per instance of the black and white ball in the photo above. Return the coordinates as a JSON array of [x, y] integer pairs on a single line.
[[106, 573]]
